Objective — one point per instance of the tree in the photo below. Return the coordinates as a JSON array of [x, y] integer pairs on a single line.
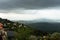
[[24, 33]]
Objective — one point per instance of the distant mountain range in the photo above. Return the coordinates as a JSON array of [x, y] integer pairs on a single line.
[[39, 20], [44, 24]]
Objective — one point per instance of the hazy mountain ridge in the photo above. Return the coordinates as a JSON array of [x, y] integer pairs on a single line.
[[39, 20], [43, 24]]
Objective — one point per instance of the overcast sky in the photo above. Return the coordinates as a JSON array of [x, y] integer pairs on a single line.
[[30, 9]]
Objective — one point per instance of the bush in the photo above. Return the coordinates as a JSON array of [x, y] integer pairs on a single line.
[[55, 36]]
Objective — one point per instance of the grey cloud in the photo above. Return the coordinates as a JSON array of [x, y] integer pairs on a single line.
[[27, 4]]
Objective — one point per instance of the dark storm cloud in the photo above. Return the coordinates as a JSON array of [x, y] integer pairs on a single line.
[[27, 4]]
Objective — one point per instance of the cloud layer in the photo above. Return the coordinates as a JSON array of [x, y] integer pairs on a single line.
[[40, 14], [7, 5]]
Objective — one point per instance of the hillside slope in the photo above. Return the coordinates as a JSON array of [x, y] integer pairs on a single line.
[[46, 26]]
